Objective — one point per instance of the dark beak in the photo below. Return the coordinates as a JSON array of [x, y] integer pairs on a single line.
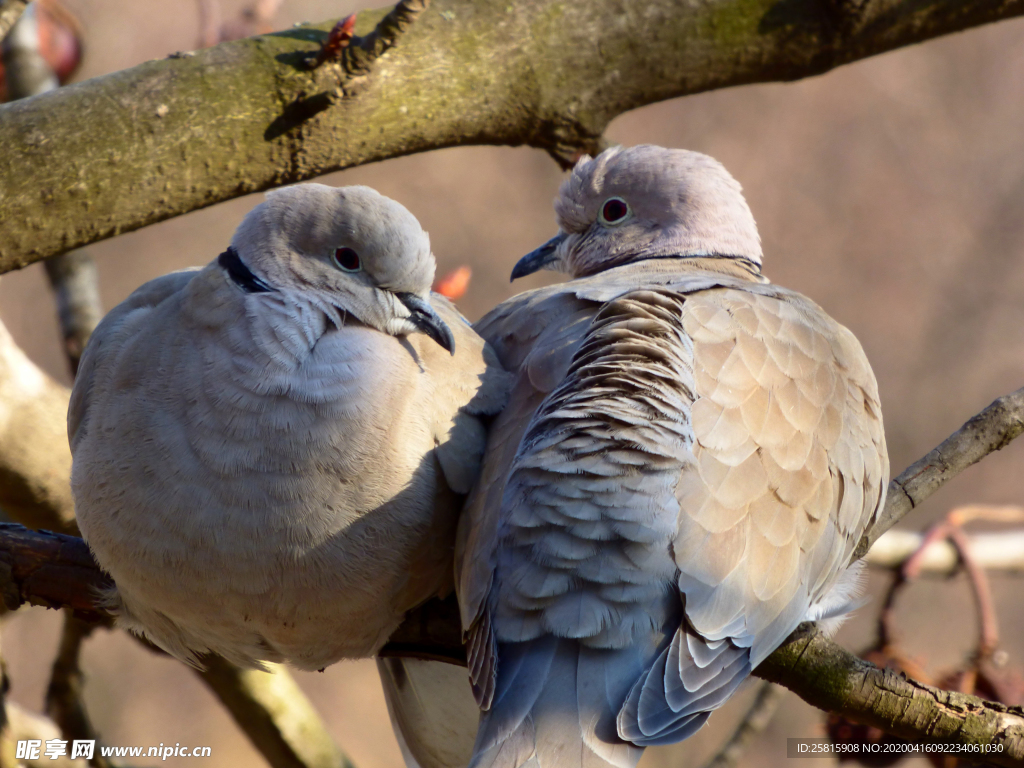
[[427, 320], [539, 258]]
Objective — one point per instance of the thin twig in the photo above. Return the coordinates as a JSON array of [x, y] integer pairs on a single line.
[[754, 721], [988, 621], [10, 12], [991, 430], [64, 694], [75, 284], [275, 714]]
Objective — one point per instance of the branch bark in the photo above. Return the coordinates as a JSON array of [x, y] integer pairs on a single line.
[[833, 679], [275, 714], [35, 461], [76, 289], [243, 116]]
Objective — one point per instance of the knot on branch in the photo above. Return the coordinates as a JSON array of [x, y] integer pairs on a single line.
[[350, 60], [567, 140], [357, 55]]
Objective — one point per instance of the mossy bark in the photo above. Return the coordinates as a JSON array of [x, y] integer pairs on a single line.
[[132, 148], [834, 680]]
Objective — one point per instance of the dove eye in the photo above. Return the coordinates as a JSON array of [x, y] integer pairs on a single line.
[[347, 260], [614, 210]]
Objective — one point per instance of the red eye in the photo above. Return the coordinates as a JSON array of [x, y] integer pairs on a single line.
[[613, 210], [347, 260]]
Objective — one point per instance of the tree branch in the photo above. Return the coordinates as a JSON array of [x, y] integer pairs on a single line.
[[52, 570], [275, 714], [35, 461], [248, 115], [64, 702], [75, 285], [816, 669], [358, 59], [831, 678]]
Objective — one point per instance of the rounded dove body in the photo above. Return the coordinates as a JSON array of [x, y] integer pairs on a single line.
[[687, 461], [269, 452]]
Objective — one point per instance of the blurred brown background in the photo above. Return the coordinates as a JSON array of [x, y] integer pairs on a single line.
[[890, 191]]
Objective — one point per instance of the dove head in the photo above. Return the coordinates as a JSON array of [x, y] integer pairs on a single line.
[[347, 250], [644, 202]]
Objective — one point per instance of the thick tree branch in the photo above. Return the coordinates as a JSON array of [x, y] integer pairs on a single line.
[[52, 570], [35, 462], [244, 116]]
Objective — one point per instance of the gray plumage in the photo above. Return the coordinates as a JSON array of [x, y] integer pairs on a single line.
[[269, 452], [688, 458], [432, 711]]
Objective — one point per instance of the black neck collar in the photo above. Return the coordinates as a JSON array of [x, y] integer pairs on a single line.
[[240, 274]]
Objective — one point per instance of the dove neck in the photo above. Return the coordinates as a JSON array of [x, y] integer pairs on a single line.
[[287, 328], [240, 274]]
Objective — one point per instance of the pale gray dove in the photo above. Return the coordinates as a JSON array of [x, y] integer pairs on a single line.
[[269, 451], [688, 458]]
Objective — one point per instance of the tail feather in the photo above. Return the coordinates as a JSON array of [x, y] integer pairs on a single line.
[[689, 679], [522, 675], [432, 709], [555, 705]]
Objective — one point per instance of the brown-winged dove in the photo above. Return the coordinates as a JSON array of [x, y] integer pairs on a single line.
[[688, 458], [269, 452]]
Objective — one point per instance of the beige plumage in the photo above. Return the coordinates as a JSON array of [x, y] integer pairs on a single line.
[[686, 463], [269, 452]]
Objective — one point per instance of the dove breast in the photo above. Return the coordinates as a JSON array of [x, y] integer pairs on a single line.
[[271, 489]]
